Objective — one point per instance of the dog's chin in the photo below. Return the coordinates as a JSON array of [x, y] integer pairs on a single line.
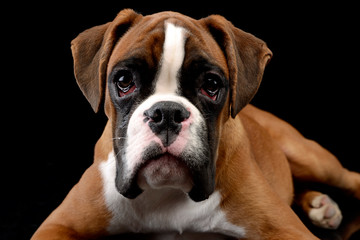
[[189, 172], [165, 171]]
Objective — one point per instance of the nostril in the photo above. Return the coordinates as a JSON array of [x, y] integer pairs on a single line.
[[157, 116], [180, 116], [154, 114]]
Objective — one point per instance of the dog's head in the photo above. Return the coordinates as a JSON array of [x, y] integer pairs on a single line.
[[167, 83]]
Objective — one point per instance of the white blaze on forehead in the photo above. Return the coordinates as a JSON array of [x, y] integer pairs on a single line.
[[172, 58]]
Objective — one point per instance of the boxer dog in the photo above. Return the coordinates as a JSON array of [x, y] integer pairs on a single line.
[[183, 155]]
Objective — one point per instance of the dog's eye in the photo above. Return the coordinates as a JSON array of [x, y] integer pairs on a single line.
[[124, 81], [212, 85]]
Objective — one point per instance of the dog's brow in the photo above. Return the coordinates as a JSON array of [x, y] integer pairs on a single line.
[[133, 61]]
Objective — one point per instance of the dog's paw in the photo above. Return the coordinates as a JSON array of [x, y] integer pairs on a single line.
[[325, 212]]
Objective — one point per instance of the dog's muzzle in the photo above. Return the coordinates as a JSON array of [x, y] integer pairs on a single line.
[[166, 146]]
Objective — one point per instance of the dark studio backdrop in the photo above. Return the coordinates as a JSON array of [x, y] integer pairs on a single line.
[[51, 130]]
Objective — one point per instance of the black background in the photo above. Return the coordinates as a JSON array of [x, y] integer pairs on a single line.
[[49, 129]]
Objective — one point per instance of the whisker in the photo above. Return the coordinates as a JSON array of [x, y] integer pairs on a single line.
[[118, 138], [119, 152], [110, 161]]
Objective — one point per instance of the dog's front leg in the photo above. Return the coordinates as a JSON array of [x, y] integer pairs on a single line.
[[55, 232], [82, 215]]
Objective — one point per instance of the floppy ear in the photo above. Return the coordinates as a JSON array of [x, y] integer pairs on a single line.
[[91, 51], [246, 57]]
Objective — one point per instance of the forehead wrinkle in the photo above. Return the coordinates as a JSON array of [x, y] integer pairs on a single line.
[[144, 39]]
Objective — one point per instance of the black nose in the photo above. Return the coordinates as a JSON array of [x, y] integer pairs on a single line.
[[165, 120]]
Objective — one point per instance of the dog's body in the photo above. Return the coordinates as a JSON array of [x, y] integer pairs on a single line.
[[177, 157]]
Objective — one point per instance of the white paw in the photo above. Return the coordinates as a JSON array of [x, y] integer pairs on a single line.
[[325, 212]]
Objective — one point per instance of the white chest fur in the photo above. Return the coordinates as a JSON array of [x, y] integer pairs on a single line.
[[164, 210]]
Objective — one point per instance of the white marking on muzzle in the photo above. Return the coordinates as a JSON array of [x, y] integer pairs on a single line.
[[139, 135]]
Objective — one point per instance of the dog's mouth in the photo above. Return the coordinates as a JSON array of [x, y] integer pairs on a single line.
[[164, 171], [160, 168]]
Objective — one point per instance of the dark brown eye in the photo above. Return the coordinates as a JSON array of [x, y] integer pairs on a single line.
[[124, 81], [212, 85]]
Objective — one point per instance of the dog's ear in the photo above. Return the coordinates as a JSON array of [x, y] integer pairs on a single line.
[[91, 51], [246, 57]]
